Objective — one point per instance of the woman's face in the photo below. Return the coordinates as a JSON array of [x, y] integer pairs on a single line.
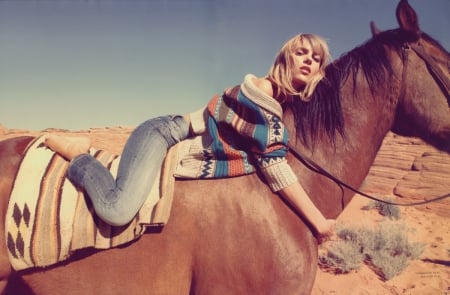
[[306, 64]]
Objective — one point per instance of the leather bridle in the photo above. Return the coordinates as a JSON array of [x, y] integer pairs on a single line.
[[436, 72]]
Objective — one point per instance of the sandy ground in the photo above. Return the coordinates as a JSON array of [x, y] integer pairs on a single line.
[[406, 169], [430, 274]]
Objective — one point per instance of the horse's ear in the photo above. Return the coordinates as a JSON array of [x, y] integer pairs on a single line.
[[374, 29], [407, 18]]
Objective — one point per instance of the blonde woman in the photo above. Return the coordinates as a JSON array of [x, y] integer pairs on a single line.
[[243, 129]]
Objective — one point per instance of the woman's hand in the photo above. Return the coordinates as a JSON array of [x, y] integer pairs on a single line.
[[326, 230]]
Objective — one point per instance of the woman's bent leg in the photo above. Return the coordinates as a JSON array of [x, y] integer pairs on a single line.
[[117, 201]]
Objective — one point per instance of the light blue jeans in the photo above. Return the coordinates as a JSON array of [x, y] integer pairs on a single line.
[[116, 201]]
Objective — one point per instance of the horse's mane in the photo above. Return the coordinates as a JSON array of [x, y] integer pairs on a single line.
[[323, 113]]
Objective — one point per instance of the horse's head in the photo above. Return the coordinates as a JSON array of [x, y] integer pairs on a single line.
[[423, 107], [401, 81]]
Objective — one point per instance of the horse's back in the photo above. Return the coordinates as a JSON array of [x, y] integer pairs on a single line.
[[214, 243], [230, 236]]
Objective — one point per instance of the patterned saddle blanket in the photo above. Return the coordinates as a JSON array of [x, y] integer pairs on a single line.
[[48, 218]]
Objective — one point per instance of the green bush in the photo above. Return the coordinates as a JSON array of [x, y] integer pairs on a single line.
[[386, 250]]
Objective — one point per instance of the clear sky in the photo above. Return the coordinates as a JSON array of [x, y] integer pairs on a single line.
[[76, 64]]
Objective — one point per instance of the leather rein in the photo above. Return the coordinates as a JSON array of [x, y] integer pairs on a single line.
[[440, 79]]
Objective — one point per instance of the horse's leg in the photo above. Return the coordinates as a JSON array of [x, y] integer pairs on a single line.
[[10, 156]]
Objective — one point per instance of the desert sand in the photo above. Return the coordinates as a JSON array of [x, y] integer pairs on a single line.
[[407, 170]]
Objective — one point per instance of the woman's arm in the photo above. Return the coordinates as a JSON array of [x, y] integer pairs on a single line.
[[299, 199], [197, 121], [294, 192]]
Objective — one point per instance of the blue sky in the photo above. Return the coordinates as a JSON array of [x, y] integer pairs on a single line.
[[76, 64]]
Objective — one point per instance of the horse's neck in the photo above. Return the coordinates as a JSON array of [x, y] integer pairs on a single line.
[[367, 119]]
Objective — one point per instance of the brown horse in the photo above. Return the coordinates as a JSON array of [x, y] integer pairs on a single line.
[[233, 236]]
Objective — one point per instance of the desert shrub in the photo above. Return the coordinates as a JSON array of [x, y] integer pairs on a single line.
[[348, 234], [387, 210], [343, 257], [386, 250]]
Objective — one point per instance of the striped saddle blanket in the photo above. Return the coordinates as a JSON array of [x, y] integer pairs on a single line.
[[48, 219]]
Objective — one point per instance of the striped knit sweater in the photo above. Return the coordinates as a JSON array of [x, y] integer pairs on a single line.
[[239, 132]]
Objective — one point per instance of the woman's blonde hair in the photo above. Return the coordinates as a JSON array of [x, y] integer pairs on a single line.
[[281, 71]]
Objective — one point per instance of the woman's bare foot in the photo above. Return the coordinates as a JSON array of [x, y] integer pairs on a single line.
[[68, 147]]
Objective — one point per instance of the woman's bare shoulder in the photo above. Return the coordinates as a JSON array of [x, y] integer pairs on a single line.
[[264, 85]]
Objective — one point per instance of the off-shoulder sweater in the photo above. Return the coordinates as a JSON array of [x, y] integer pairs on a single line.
[[238, 132]]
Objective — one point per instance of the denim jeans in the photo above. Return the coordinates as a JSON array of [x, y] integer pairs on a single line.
[[116, 201]]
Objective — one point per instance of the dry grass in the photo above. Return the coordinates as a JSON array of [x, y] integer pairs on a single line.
[[386, 250], [387, 210]]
